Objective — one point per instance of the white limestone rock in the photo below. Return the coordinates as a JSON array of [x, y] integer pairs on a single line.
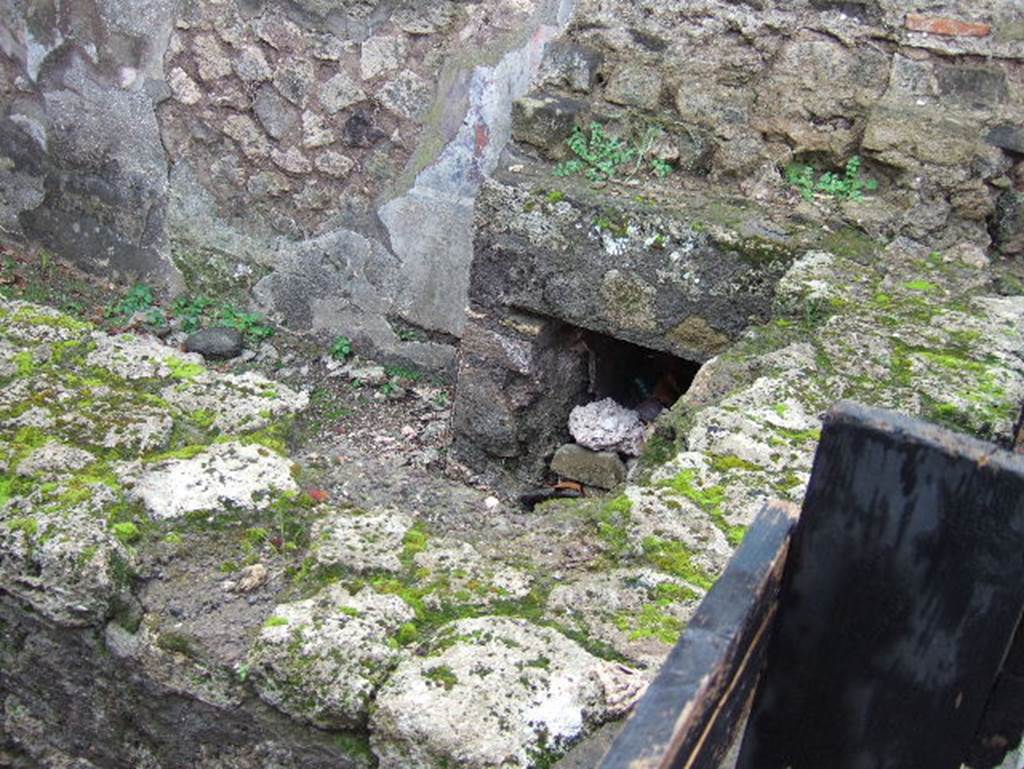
[[54, 461], [24, 323], [138, 357], [606, 426], [361, 541], [248, 477], [322, 659], [469, 575], [65, 563], [239, 402], [640, 612], [495, 693]]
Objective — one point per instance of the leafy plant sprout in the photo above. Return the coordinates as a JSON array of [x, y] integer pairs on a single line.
[[846, 186], [342, 348], [601, 156], [138, 299]]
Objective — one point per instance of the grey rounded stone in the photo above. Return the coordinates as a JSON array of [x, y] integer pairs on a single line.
[[219, 342]]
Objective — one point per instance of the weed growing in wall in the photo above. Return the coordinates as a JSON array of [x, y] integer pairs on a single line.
[[601, 156], [846, 186]]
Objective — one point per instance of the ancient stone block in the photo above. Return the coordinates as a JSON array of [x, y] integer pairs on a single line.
[[291, 160], [381, 55], [294, 79], [211, 59], [339, 92], [545, 122], [277, 32], [334, 164], [250, 138], [251, 65], [183, 87], [635, 86], [316, 132], [1008, 223], [1007, 137], [972, 84], [601, 469], [904, 135], [407, 94], [571, 66], [275, 113]]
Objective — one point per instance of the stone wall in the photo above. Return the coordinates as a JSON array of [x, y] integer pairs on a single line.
[[320, 156], [929, 94], [721, 98], [323, 156]]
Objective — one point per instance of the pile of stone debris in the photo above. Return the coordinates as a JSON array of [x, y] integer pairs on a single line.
[[607, 440]]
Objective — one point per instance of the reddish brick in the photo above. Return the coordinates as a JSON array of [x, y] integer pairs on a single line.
[[943, 25]]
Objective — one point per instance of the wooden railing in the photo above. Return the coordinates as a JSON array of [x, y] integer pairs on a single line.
[[874, 629]]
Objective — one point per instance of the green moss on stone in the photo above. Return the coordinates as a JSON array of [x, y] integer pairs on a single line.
[[727, 463], [709, 499], [182, 370], [443, 675], [850, 243], [126, 532], [652, 621], [676, 559]]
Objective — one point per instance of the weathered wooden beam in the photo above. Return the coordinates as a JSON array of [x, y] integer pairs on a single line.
[[902, 592], [690, 713]]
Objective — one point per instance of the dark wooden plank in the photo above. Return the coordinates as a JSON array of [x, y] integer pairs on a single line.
[[690, 713], [902, 592], [1002, 725]]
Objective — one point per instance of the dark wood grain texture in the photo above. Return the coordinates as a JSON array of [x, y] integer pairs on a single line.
[[690, 714], [902, 592]]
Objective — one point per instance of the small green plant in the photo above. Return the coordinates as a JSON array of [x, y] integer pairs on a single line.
[[341, 349], [275, 621], [254, 538], [612, 224], [410, 335], [138, 299], [846, 186], [407, 634], [252, 325], [403, 374], [601, 156], [191, 310], [661, 168]]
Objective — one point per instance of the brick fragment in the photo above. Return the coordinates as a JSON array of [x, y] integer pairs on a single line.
[[949, 27]]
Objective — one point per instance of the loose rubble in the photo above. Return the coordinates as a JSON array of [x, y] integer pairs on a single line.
[[606, 426]]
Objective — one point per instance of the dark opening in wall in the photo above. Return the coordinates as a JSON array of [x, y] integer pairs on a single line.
[[646, 380], [520, 384]]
